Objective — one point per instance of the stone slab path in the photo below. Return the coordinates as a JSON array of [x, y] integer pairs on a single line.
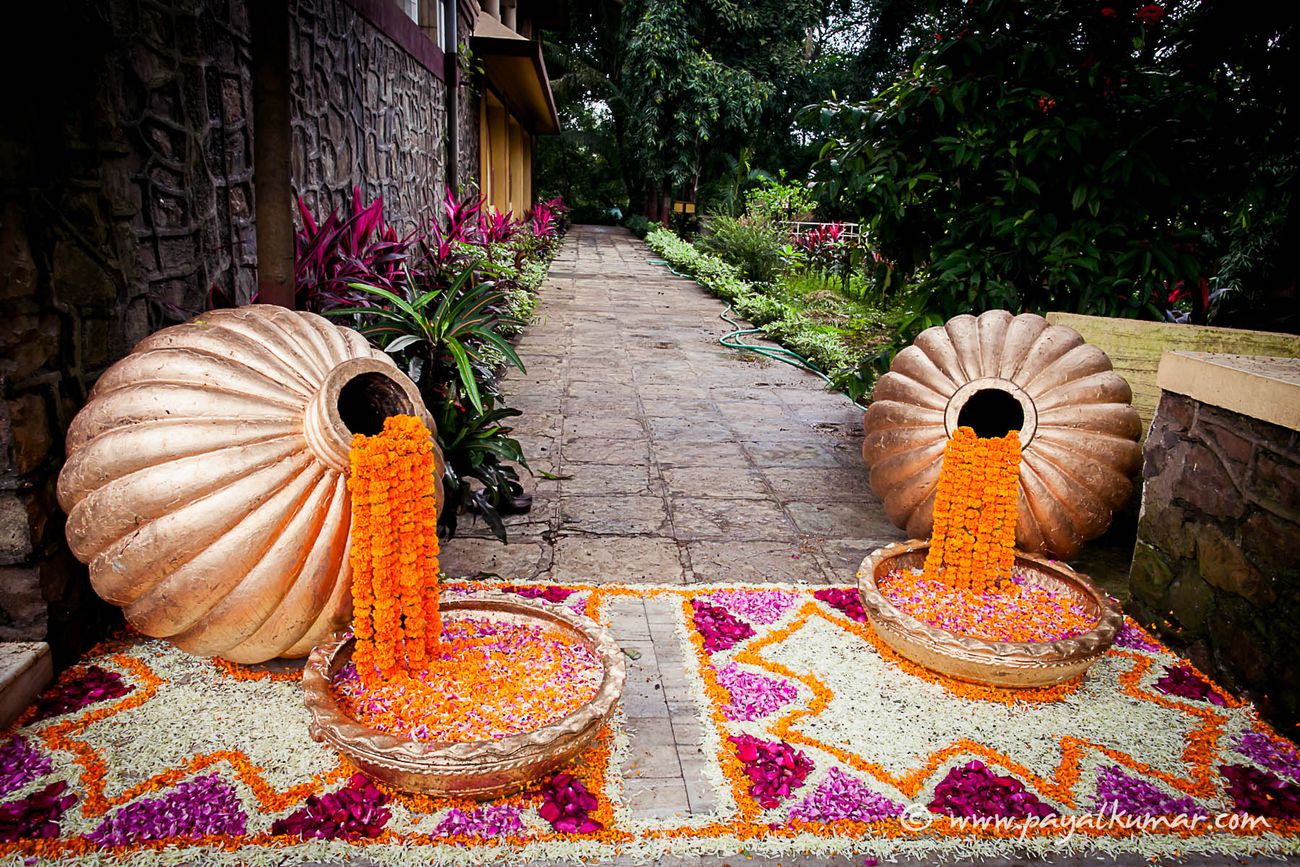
[[675, 460], [679, 461]]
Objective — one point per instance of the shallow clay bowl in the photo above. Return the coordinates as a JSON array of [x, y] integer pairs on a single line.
[[1005, 664], [479, 769]]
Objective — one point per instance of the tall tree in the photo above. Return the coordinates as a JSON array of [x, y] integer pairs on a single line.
[[681, 80]]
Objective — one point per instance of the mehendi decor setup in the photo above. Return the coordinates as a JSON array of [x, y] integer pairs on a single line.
[[999, 373], [816, 738], [205, 481], [475, 697], [967, 604]]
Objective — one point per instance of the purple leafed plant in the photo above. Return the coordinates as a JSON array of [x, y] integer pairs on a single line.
[[196, 808], [567, 805], [355, 811], [497, 228], [463, 218], [774, 768], [845, 601], [90, 686], [1259, 793], [20, 764], [721, 629], [542, 220], [1118, 792], [974, 790], [332, 254], [842, 797], [1182, 681], [35, 817], [484, 823]]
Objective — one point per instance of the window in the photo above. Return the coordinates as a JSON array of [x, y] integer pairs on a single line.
[[411, 8]]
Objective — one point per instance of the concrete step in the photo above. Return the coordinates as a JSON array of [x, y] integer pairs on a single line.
[[26, 668]]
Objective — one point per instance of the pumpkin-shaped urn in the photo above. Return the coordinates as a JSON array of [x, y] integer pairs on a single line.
[[206, 480], [998, 373]]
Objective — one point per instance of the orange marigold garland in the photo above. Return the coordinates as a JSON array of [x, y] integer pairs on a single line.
[[394, 548], [973, 543]]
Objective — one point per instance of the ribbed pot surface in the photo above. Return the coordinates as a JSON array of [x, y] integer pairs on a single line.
[[1078, 432], [205, 484]]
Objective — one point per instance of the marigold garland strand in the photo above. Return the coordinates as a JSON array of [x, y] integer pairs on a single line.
[[394, 548], [973, 543]]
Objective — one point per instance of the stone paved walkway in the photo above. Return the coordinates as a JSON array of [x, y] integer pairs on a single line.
[[677, 461]]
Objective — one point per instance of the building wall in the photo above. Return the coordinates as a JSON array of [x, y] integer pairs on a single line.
[[127, 204], [125, 199], [1217, 564], [365, 114]]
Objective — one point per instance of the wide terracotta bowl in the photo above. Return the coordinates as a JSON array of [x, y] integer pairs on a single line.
[[1006, 664], [480, 769]]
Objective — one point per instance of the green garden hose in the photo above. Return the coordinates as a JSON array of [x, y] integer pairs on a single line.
[[731, 339]]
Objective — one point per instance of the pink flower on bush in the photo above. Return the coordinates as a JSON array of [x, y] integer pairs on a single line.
[[1150, 14]]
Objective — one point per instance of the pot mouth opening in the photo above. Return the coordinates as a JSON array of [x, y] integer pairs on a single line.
[[992, 412], [366, 400], [993, 407]]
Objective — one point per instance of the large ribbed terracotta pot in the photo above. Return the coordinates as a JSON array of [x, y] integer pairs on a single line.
[[205, 484], [999, 373]]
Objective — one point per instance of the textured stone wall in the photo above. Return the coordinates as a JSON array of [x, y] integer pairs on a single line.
[[365, 114], [125, 198], [467, 122], [1217, 563]]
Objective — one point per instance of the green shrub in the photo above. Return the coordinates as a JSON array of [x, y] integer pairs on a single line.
[[1066, 156], [638, 225], [778, 201], [753, 246]]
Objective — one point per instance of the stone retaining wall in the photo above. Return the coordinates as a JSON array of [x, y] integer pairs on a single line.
[[365, 114], [1217, 563], [125, 197], [126, 200]]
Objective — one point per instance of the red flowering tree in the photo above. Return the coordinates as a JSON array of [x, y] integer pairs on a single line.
[[1088, 156]]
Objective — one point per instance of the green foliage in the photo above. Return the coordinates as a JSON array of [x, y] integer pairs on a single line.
[[804, 313], [446, 323], [777, 201], [662, 92], [437, 328], [477, 448], [753, 246], [638, 224], [1056, 156], [726, 194]]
